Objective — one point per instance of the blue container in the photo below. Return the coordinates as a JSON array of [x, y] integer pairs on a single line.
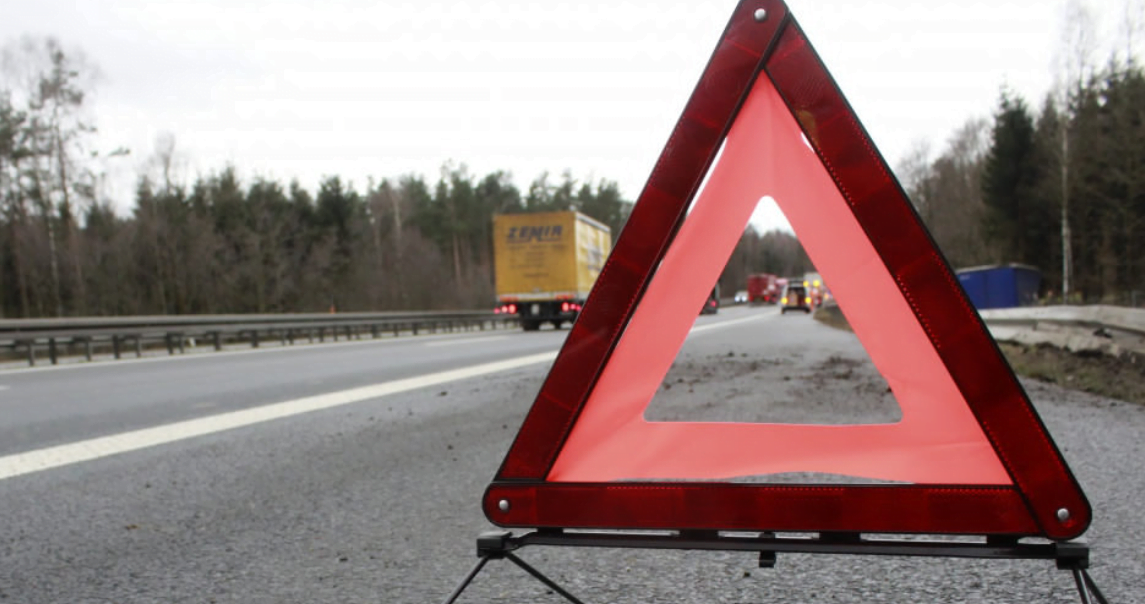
[[1001, 285]]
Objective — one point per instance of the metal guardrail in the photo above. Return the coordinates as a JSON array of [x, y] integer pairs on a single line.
[[125, 335], [1112, 330], [1129, 320], [1097, 328], [1107, 329]]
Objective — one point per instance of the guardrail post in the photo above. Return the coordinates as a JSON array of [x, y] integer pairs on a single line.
[[374, 330], [138, 345], [170, 344], [413, 326], [254, 338], [396, 330], [31, 353], [87, 348], [115, 345], [181, 340], [321, 334], [282, 336], [290, 336], [52, 350]]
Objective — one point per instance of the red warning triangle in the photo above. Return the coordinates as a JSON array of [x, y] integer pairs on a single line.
[[970, 454]]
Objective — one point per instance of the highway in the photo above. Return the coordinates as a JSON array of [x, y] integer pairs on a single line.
[[352, 472], [53, 405]]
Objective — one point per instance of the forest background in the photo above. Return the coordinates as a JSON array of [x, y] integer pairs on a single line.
[[1057, 183]]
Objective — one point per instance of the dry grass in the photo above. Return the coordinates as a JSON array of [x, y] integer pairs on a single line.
[[1120, 377]]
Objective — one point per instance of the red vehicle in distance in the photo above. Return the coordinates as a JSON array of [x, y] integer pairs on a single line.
[[762, 288]]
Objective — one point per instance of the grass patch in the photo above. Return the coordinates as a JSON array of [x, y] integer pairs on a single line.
[[1120, 377], [829, 314]]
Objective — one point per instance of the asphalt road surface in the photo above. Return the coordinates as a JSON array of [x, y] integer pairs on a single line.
[[353, 472]]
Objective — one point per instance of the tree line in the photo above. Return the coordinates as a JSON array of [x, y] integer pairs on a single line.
[[773, 251], [1059, 186], [217, 245]]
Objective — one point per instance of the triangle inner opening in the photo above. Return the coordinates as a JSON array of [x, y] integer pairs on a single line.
[[771, 345]]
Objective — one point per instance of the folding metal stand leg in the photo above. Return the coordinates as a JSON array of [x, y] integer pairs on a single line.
[[468, 578], [1072, 556], [497, 545], [1086, 587]]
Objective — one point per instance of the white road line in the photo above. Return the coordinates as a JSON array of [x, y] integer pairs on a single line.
[[731, 323], [3, 387], [463, 341], [62, 455]]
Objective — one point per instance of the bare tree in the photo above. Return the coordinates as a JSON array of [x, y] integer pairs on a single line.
[[1071, 68], [914, 173], [947, 194], [1132, 27], [164, 159], [52, 85]]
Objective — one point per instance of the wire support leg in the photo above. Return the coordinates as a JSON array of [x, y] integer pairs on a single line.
[[542, 578], [1086, 587], [468, 579]]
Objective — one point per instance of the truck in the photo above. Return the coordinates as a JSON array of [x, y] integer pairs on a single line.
[[816, 288], [1001, 285], [545, 264], [762, 288]]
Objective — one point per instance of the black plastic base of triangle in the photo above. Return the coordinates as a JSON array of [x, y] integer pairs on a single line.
[[1068, 555]]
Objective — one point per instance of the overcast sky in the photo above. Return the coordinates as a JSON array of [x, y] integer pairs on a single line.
[[382, 88]]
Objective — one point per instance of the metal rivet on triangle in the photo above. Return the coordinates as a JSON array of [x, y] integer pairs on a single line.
[[760, 15], [1063, 515], [503, 505]]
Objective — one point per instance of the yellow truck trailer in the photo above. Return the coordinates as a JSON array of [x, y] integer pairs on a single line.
[[545, 263]]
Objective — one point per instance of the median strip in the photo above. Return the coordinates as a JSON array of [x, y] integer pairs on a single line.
[[88, 450]]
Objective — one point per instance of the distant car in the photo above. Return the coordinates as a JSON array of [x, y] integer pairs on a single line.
[[741, 297], [795, 297]]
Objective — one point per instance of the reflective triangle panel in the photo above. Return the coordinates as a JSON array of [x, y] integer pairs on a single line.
[[976, 455], [938, 440]]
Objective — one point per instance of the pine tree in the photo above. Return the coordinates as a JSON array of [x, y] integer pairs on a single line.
[[1018, 222]]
